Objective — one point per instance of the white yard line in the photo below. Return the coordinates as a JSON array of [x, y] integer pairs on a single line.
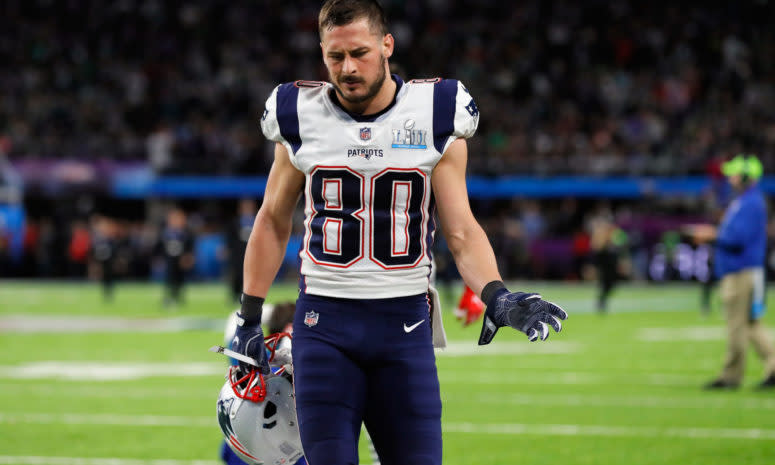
[[569, 378], [641, 402], [517, 429], [470, 348], [647, 402], [104, 324], [108, 419], [125, 371], [41, 460], [110, 371], [520, 429], [110, 391]]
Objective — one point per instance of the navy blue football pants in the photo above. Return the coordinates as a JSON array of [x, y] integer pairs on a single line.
[[366, 361]]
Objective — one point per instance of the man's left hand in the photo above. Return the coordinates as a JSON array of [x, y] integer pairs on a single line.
[[526, 312]]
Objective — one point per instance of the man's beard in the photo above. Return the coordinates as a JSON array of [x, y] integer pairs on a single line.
[[372, 90]]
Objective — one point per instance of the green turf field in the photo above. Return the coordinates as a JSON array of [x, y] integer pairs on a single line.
[[130, 383]]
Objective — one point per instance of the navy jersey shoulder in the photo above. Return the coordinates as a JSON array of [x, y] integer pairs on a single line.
[[280, 121]]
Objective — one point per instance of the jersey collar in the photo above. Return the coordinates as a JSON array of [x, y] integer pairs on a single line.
[[372, 117]]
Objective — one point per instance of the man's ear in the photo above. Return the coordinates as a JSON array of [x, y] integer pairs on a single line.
[[388, 43]]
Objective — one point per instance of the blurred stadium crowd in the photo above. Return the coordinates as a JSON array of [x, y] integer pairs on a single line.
[[595, 87], [532, 240], [582, 88]]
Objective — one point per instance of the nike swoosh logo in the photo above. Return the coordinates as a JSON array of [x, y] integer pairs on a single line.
[[409, 329]]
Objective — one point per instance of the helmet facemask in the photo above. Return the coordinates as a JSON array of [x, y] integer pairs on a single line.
[[249, 386]]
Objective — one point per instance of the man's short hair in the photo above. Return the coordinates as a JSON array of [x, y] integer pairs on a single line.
[[341, 12]]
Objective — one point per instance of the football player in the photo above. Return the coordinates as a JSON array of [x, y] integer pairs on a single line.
[[176, 244], [375, 157], [103, 253], [237, 235]]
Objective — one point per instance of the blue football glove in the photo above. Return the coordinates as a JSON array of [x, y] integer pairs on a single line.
[[249, 337], [522, 311]]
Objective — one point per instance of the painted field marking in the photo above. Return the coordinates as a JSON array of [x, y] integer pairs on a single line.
[[126, 371], [108, 419], [450, 427], [41, 460], [109, 391], [108, 371], [104, 324], [75, 324], [470, 348], [570, 378], [646, 402], [609, 431], [582, 400]]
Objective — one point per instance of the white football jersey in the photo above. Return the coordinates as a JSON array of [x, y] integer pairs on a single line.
[[369, 206]]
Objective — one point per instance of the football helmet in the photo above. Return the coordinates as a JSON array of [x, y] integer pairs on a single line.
[[261, 431]]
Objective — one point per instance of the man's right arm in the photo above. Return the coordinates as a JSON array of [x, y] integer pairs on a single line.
[[264, 254], [271, 230]]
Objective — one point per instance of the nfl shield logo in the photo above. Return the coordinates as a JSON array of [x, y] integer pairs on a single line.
[[311, 318], [365, 133]]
